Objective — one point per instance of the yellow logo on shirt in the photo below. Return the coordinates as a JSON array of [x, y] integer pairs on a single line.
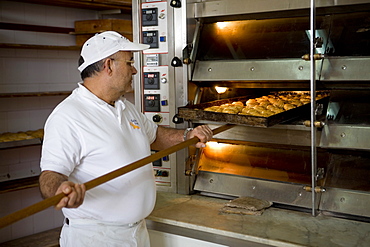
[[134, 124]]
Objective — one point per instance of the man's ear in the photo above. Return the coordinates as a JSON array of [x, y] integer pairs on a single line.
[[108, 66]]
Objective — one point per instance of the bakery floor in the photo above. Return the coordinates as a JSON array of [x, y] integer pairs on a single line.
[[194, 220]]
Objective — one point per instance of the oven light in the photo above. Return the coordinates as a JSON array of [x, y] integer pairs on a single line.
[[216, 145], [221, 25], [220, 90]]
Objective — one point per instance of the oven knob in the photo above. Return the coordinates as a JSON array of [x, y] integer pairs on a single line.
[[176, 62], [163, 80], [157, 118], [151, 81], [151, 103], [149, 17], [177, 120], [175, 3], [149, 40]]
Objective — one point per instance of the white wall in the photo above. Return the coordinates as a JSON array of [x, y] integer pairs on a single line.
[[29, 70]]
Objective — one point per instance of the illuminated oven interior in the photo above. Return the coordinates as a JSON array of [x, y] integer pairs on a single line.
[[278, 163]]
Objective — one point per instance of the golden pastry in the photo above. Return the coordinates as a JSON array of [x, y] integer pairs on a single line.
[[289, 107]]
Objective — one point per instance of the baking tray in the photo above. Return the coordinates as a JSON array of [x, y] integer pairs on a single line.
[[20, 143], [196, 112]]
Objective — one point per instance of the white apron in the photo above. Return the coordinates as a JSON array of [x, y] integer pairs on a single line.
[[92, 233]]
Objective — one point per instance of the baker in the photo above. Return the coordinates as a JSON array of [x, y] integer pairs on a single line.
[[94, 131]]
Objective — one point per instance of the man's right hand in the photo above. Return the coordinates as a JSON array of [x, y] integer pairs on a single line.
[[53, 183], [75, 194]]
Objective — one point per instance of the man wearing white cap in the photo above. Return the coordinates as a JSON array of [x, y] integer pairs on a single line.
[[94, 131]]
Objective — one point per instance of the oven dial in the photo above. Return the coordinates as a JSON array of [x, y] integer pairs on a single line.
[[157, 118], [150, 40], [149, 17], [151, 81]]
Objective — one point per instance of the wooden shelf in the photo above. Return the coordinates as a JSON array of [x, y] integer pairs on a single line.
[[40, 47], [124, 5], [21, 143], [19, 184], [34, 94], [35, 28]]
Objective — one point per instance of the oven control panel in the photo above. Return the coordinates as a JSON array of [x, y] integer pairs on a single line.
[[154, 26], [162, 170], [156, 94], [150, 17], [155, 83], [151, 80]]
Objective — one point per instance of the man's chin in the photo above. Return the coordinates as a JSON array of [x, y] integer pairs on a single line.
[[130, 90]]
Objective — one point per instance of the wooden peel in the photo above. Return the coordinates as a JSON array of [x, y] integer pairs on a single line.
[[52, 201]]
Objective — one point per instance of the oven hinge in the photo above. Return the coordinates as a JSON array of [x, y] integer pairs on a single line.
[[318, 189], [190, 165], [319, 175]]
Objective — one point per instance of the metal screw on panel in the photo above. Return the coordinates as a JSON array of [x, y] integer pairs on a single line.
[[342, 199], [253, 187], [343, 134], [300, 68], [209, 69], [300, 194], [252, 68], [344, 67], [211, 180]]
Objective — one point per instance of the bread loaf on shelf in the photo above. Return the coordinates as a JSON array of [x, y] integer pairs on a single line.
[[22, 135]]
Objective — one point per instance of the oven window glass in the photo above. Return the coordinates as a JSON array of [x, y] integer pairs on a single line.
[[342, 34], [279, 163], [275, 38]]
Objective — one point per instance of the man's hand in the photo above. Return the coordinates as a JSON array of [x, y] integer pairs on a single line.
[[53, 183], [203, 132], [167, 137], [75, 194]]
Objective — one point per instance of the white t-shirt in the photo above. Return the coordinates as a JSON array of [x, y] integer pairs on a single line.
[[85, 138]]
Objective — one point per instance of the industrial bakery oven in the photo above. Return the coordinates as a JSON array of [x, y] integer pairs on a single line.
[[227, 58]]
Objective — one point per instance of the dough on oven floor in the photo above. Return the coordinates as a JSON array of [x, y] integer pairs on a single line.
[[246, 206]]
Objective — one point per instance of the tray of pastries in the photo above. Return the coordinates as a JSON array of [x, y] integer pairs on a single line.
[[21, 138], [261, 111]]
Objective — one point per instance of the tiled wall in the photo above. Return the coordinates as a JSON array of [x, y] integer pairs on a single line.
[[39, 222], [32, 70], [24, 70]]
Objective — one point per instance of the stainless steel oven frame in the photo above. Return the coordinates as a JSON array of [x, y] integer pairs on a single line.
[[347, 72]]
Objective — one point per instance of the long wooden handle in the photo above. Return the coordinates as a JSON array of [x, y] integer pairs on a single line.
[[52, 201]]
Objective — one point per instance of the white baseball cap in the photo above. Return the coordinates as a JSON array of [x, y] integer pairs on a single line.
[[105, 44]]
